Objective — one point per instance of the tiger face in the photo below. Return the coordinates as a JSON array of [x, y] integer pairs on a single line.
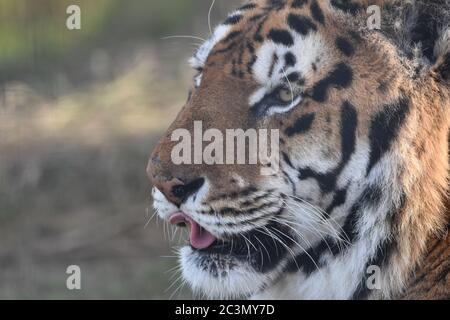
[[340, 97]]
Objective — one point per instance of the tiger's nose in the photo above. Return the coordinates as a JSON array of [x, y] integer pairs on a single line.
[[176, 190]]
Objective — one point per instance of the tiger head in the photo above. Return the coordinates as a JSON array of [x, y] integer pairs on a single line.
[[360, 115]]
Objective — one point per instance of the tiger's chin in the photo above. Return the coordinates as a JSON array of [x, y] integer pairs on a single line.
[[221, 275], [236, 267]]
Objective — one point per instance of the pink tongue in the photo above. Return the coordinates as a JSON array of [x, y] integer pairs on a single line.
[[199, 237]]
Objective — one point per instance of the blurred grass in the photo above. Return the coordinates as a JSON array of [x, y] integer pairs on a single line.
[[73, 189], [34, 32], [80, 112], [30, 28]]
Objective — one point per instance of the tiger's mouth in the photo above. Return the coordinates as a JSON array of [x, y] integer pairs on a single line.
[[260, 247], [199, 237]]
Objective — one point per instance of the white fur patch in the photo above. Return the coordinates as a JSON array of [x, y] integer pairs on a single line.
[[163, 207], [199, 59], [234, 279], [306, 49]]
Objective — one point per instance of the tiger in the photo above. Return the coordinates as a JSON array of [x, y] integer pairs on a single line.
[[358, 206]]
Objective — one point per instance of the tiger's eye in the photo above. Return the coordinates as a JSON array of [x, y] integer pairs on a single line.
[[285, 95]]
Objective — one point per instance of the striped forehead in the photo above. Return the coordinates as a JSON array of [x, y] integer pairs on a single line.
[[293, 43], [296, 58]]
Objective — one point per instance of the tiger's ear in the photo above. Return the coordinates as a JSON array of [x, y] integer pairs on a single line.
[[442, 53]]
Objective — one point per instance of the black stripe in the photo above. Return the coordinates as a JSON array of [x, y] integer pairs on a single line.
[[251, 64], [276, 5], [345, 46], [272, 65], [260, 208], [349, 124], [289, 179], [281, 37], [317, 12], [338, 200], [250, 47], [253, 58], [286, 159], [380, 259], [290, 59], [229, 47], [231, 36], [257, 17], [385, 128], [341, 77], [182, 192], [327, 182], [293, 77], [257, 36], [301, 24], [309, 261], [247, 6], [349, 230], [302, 125], [297, 4], [346, 5], [370, 197], [235, 212], [234, 195], [231, 20], [241, 54]]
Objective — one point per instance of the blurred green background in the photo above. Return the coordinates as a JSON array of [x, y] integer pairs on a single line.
[[80, 111]]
